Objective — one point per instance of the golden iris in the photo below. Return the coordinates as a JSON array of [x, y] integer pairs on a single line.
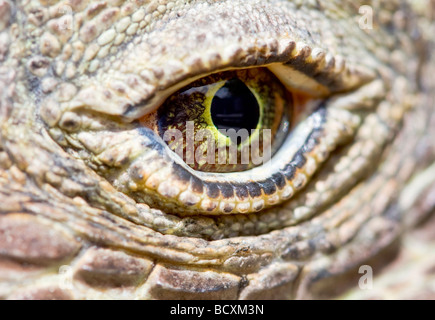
[[214, 120]]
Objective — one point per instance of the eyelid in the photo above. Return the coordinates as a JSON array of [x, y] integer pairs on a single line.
[[133, 79], [293, 80], [297, 65], [310, 71]]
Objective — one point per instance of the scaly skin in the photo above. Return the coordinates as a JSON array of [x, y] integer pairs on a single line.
[[89, 208]]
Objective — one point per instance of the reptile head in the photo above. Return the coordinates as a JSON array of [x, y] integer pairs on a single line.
[[90, 184]]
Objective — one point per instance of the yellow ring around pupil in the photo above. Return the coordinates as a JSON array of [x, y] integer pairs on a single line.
[[212, 149], [222, 139]]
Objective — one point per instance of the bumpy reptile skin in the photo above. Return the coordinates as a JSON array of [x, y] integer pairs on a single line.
[[90, 208]]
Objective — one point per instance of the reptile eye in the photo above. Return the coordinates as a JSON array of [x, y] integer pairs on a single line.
[[233, 142], [226, 122]]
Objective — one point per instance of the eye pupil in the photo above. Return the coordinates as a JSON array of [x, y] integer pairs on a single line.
[[227, 121], [234, 106]]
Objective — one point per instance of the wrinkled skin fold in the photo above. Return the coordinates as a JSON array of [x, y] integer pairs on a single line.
[[93, 206]]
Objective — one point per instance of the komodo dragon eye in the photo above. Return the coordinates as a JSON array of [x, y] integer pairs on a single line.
[[226, 122], [230, 142]]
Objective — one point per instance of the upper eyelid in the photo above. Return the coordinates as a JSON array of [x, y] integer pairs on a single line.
[[313, 72], [139, 82], [318, 77]]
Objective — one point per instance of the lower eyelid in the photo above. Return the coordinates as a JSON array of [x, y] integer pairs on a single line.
[[142, 180]]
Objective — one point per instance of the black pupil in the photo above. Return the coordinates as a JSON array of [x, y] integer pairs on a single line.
[[235, 107]]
